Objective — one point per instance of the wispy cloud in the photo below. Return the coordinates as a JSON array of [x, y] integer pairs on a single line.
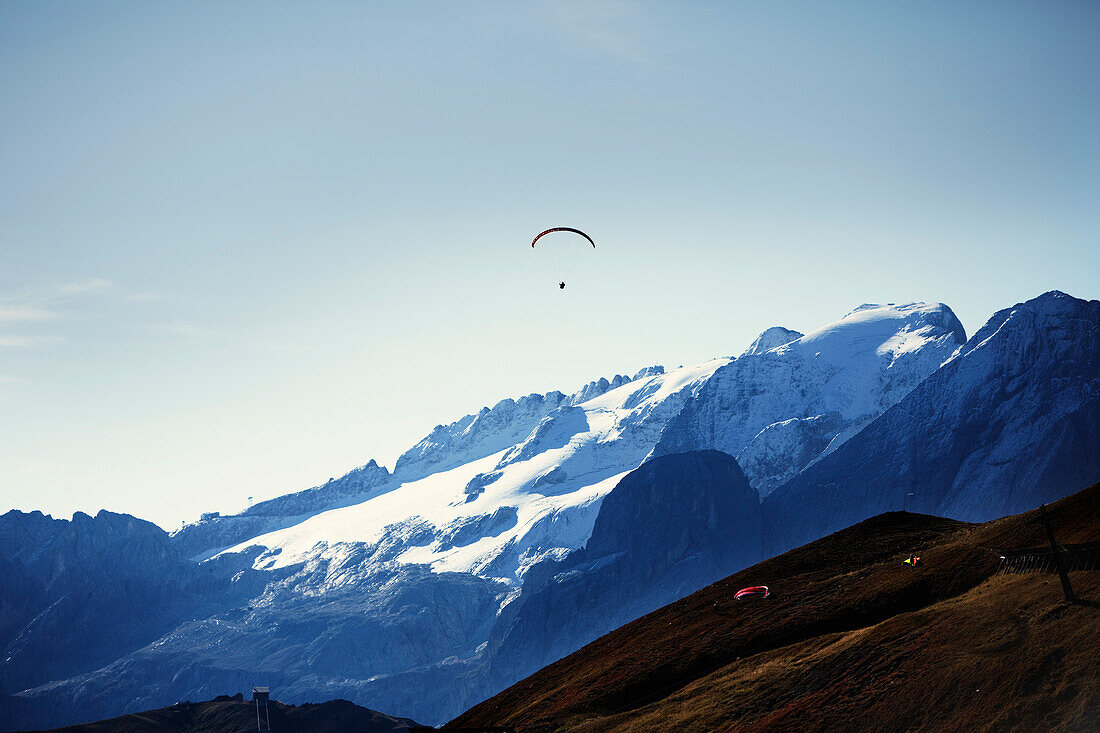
[[84, 287], [15, 312], [38, 467], [186, 329], [280, 347], [27, 342], [43, 303], [34, 308], [612, 26]]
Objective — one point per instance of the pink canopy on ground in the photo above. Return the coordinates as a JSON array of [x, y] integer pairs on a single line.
[[756, 590]]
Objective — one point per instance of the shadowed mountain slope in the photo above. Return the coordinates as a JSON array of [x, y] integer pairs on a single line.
[[232, 714], [850, 638], [73, 594], [670, 527]]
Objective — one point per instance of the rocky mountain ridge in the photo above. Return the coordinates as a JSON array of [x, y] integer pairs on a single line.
[[422, 591]]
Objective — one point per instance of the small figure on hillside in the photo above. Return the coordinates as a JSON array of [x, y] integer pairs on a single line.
[[913, 560]]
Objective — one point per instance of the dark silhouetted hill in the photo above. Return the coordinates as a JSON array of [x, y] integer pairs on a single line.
[[234, 714]]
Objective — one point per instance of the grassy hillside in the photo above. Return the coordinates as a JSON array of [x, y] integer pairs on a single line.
[[850, 639]]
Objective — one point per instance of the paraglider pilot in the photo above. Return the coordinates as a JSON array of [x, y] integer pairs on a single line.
[[561, 285]]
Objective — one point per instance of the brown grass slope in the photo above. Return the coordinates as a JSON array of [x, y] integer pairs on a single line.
[[850, 639]]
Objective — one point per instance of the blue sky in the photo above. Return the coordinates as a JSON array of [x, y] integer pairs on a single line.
[[245, 247]]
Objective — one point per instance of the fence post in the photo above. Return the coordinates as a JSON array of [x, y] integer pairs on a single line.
[[1058, 561]]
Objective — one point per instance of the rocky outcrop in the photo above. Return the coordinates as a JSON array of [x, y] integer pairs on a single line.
[[770, 339], [475, 436], [778, 452], [494, 429]]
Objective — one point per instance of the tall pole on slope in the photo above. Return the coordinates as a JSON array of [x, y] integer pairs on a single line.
[[1058, 562]]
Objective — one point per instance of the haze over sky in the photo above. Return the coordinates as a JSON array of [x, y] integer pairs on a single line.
[[245, 247]]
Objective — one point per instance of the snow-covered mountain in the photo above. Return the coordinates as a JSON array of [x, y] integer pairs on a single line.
[[1012, 420], [417, 592], [779, 409]]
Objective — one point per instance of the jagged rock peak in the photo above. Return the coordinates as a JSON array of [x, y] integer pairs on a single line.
[[599, 387], [476, 436], [1051, 313], [649, 371], [771, 338], [54, 547], [502, 426], [356, 483]]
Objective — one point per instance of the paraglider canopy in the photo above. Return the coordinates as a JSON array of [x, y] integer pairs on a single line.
[[752, 591], [563, 251], [563, 229]]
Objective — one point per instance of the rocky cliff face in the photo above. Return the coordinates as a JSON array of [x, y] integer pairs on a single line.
[[1009, 422], [77, 593], [670, 527]]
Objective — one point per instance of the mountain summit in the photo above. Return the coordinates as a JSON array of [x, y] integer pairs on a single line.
[[1009, 422]]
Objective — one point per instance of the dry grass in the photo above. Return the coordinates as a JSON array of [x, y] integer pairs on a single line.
[[851, 639]]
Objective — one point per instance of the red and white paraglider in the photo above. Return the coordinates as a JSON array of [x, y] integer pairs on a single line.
[[563, 256], [564, 229], [755, 591]]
